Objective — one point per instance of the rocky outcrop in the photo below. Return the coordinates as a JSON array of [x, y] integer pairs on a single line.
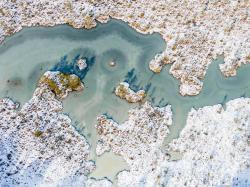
[[60, 83], [125, 92], [81, 63]]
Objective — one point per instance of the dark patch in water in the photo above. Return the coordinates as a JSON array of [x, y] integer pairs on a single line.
[[243, 95], [69, 65], [135, 84], [133, 81], [160, 102], [224, 100], [15, 82], [147, 87]]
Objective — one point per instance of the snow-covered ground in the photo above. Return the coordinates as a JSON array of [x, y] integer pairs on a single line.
[[214, 146]]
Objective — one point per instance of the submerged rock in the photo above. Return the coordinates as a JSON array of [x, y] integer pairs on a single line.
[[60, 83], [123, 91]]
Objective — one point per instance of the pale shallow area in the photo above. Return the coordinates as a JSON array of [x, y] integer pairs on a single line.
[[29, 53], [109, 165]]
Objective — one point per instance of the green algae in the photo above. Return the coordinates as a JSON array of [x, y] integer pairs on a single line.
[[38, 133], [61, 83], [51, 85]]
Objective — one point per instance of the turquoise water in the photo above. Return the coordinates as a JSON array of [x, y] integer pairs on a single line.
[[25, 56]]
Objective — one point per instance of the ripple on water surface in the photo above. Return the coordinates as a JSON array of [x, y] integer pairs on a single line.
[[25, 56]]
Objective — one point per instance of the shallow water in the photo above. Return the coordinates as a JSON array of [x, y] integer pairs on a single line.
[[25, 56]]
